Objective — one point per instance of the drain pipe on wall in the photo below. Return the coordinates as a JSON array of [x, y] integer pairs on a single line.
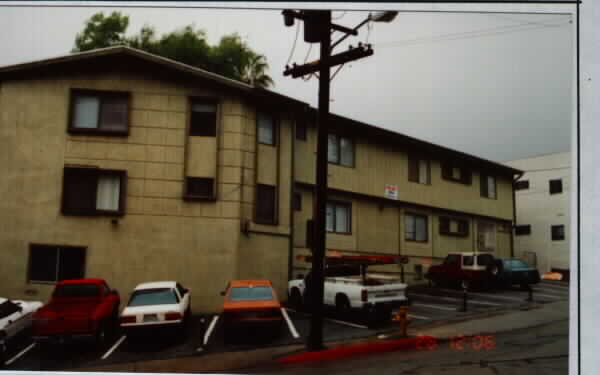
[[512, 232]]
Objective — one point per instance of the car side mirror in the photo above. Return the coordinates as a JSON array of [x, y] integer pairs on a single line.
[[223, 293], [114, 292], [186, 291]]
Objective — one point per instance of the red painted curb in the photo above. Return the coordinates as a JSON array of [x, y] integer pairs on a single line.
[[348, 351]]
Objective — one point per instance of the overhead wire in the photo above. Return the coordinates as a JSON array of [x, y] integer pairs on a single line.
[[294, 45], [469, 34]]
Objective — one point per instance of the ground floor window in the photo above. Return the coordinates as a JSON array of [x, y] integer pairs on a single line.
[[415, 228], [50, 263], [339, 217], [558, 232]]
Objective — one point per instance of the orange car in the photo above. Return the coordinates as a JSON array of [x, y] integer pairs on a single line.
[[249, 304]]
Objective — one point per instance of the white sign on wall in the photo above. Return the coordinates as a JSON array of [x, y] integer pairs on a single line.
[[391, 192]]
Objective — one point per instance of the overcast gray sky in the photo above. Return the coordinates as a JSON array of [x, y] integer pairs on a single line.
[[493, 85]]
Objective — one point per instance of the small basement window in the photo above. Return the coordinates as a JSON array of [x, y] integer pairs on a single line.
[[50, 263], [199, 188]]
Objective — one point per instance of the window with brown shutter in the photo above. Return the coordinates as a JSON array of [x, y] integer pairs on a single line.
[[99, 112], [453, 226], [413, 169], [93, 191], [452, 172], [266, 204]]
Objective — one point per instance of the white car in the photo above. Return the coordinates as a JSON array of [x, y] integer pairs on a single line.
[[160, 304], [15, 318]]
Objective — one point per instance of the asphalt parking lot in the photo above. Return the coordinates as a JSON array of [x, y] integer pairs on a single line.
[[428, 305]]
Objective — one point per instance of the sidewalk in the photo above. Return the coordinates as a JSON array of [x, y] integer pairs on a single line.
[[493, 323]]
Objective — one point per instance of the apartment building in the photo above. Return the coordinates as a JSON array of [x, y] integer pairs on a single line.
[[131, 167], [543, 211]]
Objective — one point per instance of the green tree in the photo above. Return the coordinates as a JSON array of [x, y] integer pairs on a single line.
[[101, 32], [232, 57]]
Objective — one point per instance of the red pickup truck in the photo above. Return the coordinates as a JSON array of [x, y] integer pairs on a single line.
[[78, 309]]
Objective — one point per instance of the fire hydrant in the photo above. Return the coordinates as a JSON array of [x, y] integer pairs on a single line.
[[401, 316]]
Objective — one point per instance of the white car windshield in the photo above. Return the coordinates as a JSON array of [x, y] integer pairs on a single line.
[[153, 297], [257, 293]]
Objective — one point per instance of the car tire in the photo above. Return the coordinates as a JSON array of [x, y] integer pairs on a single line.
[[342, 305], [101, 334]]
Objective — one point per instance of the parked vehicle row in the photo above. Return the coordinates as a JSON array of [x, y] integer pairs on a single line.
[[15, 319], [481, 270]]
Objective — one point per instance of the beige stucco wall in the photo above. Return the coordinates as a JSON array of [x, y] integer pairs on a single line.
[[377, 166], [160, 236]]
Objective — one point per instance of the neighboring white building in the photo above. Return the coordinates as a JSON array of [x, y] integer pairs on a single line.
[[543, 203]]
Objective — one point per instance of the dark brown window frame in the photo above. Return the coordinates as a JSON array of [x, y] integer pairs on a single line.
[[463, 226], [554, 236], [555, 190], [339, 153], [335, 204], [466, 174], [276, 122], [29, 261], [414, 162], [301, 130], [522, 230], [100, 94], [203, 100], [297, 201], [97, 172], [484, 192], [416, 215], [191, 197], [274, 220], [521, 185]]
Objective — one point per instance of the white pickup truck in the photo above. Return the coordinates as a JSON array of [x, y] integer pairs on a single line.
[[349, 289]]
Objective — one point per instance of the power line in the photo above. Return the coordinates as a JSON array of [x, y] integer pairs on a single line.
[[468, 34], [294, 45]]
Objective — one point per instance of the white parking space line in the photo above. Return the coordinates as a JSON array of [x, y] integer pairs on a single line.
[[418, 317], [332, 320], [21, 353], [547, 295], [434, 307], [290, 324], [551, 290], [469, 300], [210, 329], [347, 323], [114, 347]]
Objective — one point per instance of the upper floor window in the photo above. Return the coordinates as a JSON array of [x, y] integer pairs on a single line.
[[266, 204], [488, 186], [522, 185], [99, 112], [558, 232], [203, 118], [556, 186], [457, 174], [453, 226], [93, 191], [267, 130], [521, 230], [49, 263], [199, 188], [419, 170], [339, 216], [301, 130], [415, 228], [340, 150]]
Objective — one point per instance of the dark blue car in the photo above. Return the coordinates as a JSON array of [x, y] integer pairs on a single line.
[[513, 271]]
